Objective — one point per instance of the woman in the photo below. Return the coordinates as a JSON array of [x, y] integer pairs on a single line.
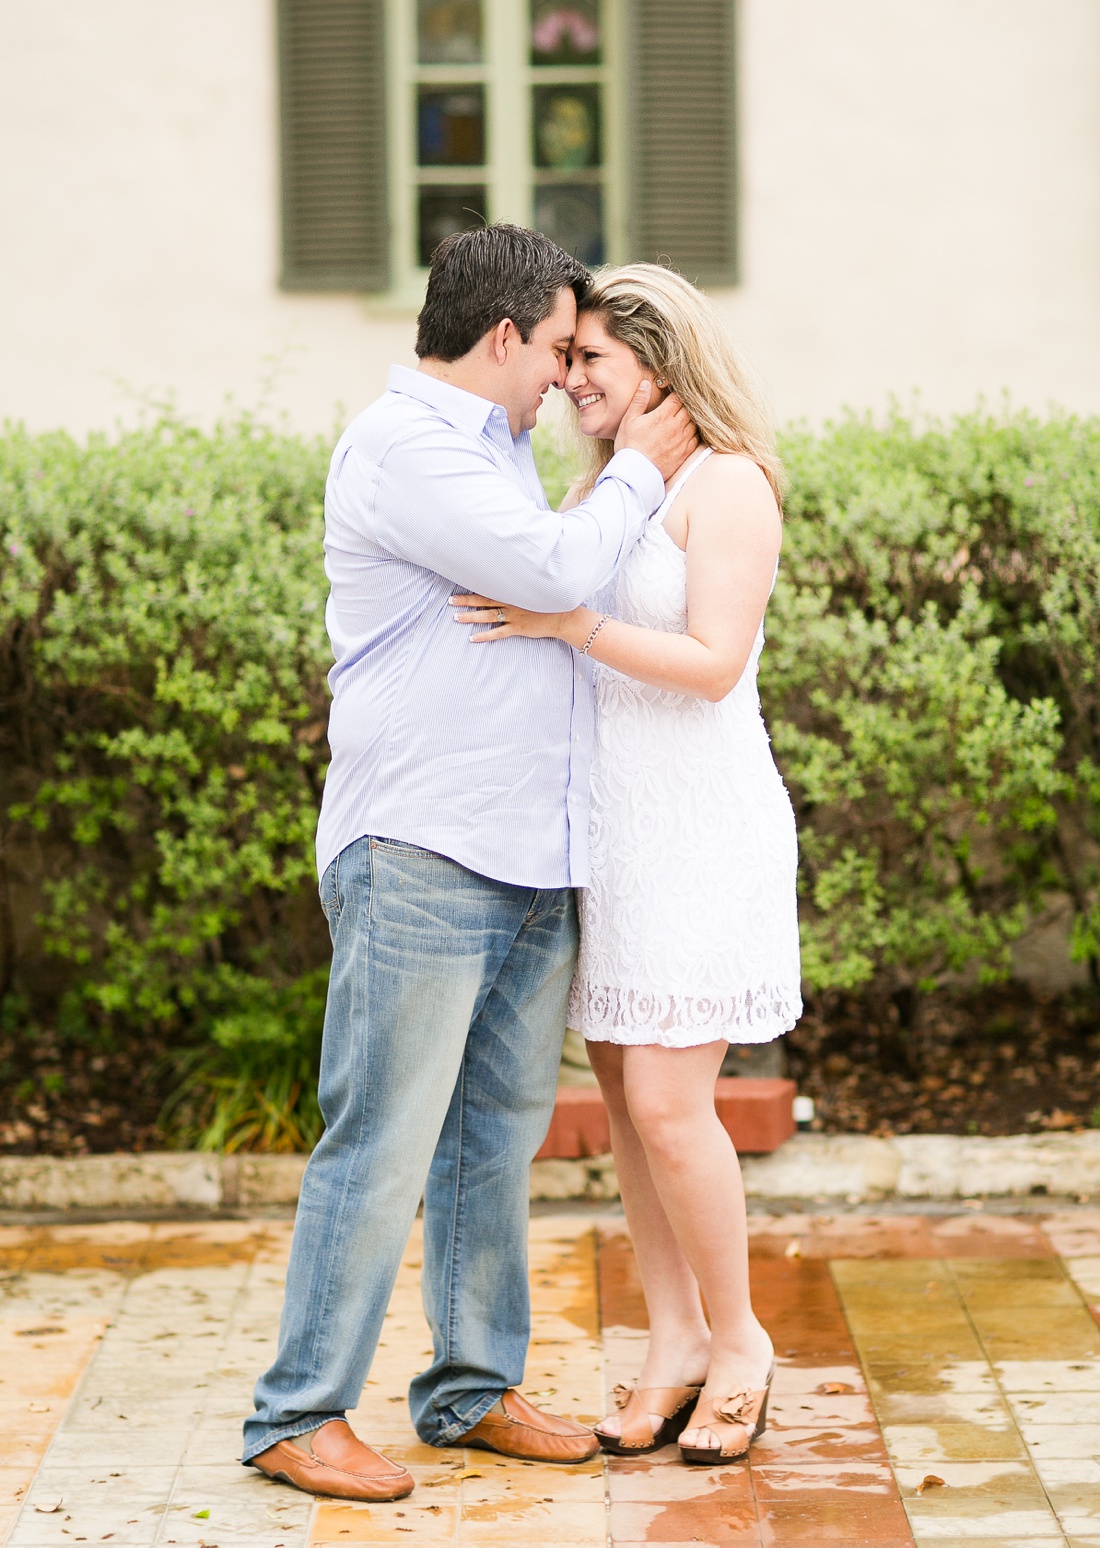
[[689, 928]]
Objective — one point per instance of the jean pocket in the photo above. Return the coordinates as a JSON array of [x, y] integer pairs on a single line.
[[330, 894], [400, 847]]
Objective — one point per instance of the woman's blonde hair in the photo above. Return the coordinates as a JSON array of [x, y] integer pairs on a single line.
[[676, 333]]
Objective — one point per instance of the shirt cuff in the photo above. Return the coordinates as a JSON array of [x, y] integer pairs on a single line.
[[636, 470]]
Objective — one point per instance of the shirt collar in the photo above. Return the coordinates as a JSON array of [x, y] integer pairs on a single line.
[[465, 410]]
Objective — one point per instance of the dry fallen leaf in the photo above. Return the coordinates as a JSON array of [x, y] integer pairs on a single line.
[[793, 1249], [50, 1504], [39, 1408], [469, 1472], [832, 1387], [930, 1481]]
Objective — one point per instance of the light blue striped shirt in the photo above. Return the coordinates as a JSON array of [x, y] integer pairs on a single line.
[[479, 752]]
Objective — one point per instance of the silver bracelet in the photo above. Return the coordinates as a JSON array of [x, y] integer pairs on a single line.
[[587, 646]]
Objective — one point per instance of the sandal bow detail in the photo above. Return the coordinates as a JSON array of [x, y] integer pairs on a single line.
[[737, 1420], [637, 1404]]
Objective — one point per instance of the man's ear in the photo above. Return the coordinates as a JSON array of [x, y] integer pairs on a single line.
[[504, 334]]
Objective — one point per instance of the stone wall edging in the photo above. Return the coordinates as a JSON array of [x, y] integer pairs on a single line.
[[855, 1168]]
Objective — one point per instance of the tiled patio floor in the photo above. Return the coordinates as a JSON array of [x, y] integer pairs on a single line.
[[939, 1383]]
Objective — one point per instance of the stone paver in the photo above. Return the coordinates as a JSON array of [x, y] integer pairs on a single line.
[[939, 1383]]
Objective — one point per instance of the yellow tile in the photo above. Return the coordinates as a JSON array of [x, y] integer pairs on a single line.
[[1039, 1323], [335, 1523], [533, 1521], [895, 1272], [975, 1270], [955, 1442], [1005, 1480], [994, 1295]]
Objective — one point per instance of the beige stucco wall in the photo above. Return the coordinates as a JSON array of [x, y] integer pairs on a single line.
[[921, 211]]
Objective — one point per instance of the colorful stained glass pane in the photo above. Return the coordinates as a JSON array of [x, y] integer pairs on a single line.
[[449, 31], [442, 211], [567, 127], [450, 126], [565, 34], [572, 215]]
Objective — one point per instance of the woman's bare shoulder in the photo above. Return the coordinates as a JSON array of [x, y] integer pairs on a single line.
[[733, 490], [732, 472]]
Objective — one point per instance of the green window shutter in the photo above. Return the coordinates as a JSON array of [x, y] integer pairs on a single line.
[[333, 132], [683, 196]]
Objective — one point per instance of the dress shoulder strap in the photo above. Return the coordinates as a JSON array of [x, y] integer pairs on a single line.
[[684, 474]]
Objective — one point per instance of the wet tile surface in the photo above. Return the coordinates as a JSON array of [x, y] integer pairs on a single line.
[[939, 1382]]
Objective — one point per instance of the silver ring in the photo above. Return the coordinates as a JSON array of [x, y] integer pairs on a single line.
[[502, 616]]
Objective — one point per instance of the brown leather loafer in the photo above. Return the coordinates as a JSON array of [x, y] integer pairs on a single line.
[[340, 1466], [527, 1433]]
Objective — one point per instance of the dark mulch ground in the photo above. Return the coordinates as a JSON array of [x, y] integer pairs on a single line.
[[1005, 1061], [64, 1099]]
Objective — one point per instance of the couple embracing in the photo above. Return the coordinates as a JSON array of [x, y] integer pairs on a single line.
[[537, 712]]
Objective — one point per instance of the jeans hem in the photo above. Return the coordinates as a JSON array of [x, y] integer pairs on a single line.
[[453, 1433], [284, 1432]]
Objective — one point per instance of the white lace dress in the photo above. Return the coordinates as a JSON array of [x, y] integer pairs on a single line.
[[689, 927]]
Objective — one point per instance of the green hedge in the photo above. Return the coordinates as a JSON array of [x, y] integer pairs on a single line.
[[930, 683]]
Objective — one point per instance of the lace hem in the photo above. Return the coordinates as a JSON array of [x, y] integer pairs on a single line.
[[640, 1016]]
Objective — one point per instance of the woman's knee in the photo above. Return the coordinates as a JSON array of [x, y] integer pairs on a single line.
[[670, 1095]]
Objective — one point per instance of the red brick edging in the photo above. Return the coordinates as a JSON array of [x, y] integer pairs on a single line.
[[757, 1114]]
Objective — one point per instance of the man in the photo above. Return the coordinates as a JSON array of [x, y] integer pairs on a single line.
[[453, 829]]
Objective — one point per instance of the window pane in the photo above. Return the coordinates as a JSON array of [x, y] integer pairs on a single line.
[[443, 210], [567, 127], [449, 31], [565, 34], [451, 126], [571, 214]]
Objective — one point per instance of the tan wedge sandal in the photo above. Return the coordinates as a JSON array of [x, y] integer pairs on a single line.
[[737, 1420], [637, 1436]]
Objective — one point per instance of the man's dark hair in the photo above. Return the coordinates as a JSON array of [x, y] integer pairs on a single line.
[[480, 277]]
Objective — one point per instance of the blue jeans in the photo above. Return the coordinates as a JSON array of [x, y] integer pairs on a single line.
[[443, 1034]]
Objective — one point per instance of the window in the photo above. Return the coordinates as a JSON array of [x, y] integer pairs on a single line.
[[501, 110], [403, 120]]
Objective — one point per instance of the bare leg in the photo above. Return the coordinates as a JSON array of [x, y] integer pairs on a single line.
[[695, 1172], [679, 1339]]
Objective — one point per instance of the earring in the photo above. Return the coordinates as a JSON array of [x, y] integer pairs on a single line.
[[661, 382]]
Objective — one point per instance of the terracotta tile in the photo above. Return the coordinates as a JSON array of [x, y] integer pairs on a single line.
[[668, 1484], [818, 1519], [821, 1444], [794, 1377], [707, 1519], [819, 1408]]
